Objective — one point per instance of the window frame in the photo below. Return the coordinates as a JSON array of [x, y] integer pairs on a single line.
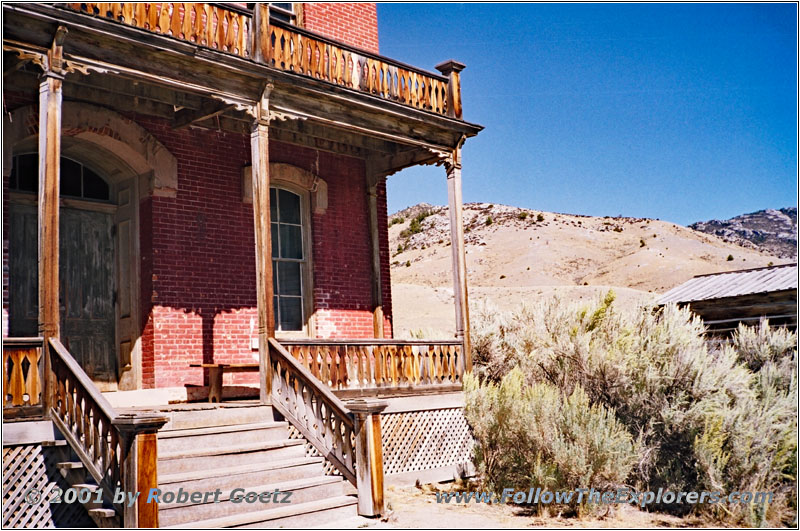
[[306, 264], [13, 182]]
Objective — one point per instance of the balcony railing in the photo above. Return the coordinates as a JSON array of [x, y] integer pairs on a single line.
[[251, 34]]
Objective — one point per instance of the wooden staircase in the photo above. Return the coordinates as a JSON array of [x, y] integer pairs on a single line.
[[220, 450]]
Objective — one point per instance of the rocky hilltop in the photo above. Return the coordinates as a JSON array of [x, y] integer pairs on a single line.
[[773, 231]]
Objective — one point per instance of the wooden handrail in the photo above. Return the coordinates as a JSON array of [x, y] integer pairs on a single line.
[[93, 393], [349, 437], [320, 416], [420, 342], [106, 442]]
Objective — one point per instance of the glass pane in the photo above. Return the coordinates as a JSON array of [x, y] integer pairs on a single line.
[[275, 243], [273, 204], [291, 242], [291, 313], [70, 178], [13, 181], [94, 187], [277, 311], [289, 278], [289, 207], [275, 277], [28, 173]]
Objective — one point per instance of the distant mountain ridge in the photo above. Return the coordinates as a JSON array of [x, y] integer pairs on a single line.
[[773, 231]]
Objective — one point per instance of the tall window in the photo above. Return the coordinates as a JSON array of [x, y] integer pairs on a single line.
[[288, 259]]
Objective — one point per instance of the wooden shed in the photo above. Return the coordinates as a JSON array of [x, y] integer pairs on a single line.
[[746, 296]]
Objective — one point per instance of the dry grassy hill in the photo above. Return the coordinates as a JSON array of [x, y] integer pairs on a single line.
[[514, 254]]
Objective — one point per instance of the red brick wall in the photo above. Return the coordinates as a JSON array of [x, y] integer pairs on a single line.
[[354, 24], [198, 285]]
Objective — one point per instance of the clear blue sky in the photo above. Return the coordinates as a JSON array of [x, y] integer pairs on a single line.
[[682, 112]]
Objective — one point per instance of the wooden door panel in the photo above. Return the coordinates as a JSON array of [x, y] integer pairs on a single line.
[[87, 291], [86, 272], [23, 271]]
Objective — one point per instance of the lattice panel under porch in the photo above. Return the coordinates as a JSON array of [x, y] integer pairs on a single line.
[[425, 440], [30, 466]]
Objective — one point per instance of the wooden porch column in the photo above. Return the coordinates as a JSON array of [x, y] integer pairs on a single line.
[[49, 178], [369, 455], [453, 167], [373, 180], [259, 147], [139, 434]]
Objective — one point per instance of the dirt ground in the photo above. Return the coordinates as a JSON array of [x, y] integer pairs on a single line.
[[416, 508]]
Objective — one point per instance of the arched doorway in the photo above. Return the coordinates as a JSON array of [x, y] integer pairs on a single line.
[[96, 222], [134, 165]]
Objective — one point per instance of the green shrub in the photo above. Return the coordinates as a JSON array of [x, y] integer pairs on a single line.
[[730, 258], [397, 221], [530, 436], [721, 419], [523, 216], [489, 221], [539, 217]]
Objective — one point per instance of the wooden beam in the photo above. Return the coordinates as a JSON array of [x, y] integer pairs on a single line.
[[187, 117], [259, 146], [454, 199]]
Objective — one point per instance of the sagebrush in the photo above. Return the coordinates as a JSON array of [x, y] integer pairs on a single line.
[[698, 418]]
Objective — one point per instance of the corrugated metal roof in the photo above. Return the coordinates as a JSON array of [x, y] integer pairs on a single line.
[[734, 283]]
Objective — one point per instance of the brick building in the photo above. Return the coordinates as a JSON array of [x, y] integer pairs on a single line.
[[163, 161]]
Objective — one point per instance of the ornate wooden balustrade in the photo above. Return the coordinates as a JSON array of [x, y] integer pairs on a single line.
[[350, 440], [118, 450], [86, 419], [22, 375], [221, 28], [252, 35], [320, 416], [351, 367], [291, 48]]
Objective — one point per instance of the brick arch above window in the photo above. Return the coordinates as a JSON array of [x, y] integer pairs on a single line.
[[288, 174]]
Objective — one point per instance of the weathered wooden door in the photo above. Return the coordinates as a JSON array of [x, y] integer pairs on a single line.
[[126, 251], [86, 270]]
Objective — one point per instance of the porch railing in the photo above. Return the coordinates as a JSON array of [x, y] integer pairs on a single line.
[[118, 450], [22, 375], [251, 34], [350, 367]]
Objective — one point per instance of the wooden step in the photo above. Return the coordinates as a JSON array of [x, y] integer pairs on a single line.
[[235, 455], [228, 478], [51, 444], [292, 516], [206, 416], [220, 436], [303, 490]]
